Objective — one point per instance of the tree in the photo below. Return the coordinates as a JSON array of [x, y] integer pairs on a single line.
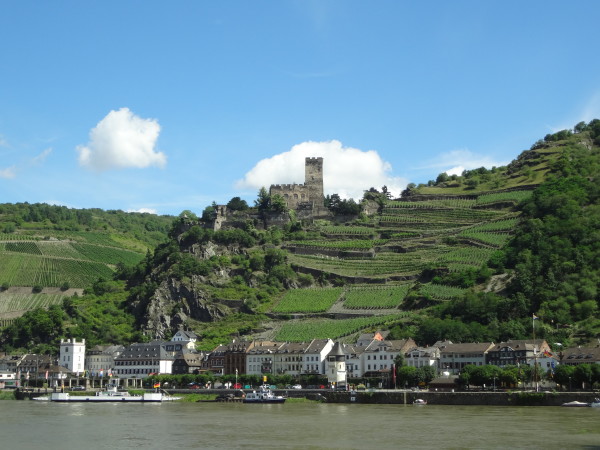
[[237, 204], [263, 200]]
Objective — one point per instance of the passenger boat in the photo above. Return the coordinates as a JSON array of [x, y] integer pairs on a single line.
[[263, 395], [110, 394]]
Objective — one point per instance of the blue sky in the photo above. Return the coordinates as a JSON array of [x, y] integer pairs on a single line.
[[167, 106]]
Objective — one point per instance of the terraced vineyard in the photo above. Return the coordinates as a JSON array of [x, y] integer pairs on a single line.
[[451, 233], [308, 300], [16, 303], [30, 261], [375, 297], [306, 330]]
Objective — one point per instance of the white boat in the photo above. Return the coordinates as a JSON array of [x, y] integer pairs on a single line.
[[263, 395], [576, 404], [420, 401], [111, 394]]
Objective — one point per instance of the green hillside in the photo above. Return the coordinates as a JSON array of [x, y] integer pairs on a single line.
[[49, 252], [466, 258]]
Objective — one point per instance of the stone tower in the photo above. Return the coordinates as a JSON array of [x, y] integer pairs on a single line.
[[313, 180]]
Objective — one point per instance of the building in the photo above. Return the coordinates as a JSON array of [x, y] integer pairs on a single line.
[[580, 355], [141, 360], [72, 355], [308, 195], [422, 357], [260, 358], [289, 358], [336, 367], [513, 353], [101, 358], [315, 354], [453, 357]]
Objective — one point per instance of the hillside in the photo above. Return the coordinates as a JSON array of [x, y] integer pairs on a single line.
[[48, 253], [466, 258]]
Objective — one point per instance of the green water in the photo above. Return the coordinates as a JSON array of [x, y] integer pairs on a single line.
[[31, 425]]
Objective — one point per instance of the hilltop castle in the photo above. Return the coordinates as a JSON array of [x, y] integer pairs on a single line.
[[306, 199], [307, 196]]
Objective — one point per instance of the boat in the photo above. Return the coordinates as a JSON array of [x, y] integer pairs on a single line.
[[110, 394], [576, 404], [420, 401], [263, 395], [595, 403]]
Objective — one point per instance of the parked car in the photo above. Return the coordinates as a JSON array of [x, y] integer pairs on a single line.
[[297, 386], [237, 386], [194, 386], [78, 388]]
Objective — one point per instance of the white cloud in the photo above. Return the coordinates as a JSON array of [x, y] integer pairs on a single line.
[[455, 161], [122, 140], [8, 173], [41, 157], [347, 171], [144, 210]]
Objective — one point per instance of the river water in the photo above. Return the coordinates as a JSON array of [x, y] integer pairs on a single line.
[[45, 425]]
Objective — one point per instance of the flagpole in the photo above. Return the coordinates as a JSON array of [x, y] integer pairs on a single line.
[[535, 367]]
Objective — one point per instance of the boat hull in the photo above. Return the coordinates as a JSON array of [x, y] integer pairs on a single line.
[[271, 400], [145, 398]]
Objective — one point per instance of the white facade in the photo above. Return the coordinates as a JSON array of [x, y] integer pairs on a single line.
[[72, 355], [315, 355]]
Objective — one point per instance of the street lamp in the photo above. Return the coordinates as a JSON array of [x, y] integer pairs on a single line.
[[494, 383]]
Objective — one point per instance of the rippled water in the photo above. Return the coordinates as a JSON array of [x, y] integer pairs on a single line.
[[45, 425]]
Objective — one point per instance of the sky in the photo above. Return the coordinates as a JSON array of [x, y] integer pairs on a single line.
[[162, 107]]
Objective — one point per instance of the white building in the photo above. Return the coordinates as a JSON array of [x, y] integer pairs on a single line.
[[141, 360], [259, 359], [72, 355], [315, 355]]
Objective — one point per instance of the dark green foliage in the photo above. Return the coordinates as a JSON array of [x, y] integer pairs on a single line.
[[237, 204], [39, 329], [344, 207]]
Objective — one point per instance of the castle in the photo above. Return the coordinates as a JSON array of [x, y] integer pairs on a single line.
[[307, 196], [306, 199]]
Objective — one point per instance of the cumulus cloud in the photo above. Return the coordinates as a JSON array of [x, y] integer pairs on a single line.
[[8, 173], [347, 171], [122, 140], [455, 161]]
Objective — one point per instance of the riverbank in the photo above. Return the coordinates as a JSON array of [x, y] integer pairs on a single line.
[[508, 398], [512, 398]]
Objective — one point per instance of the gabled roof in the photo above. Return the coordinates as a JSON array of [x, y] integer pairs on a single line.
[[581, 355], [317, 345], [468, 347], [522, 344]]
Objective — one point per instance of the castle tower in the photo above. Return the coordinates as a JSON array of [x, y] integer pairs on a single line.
[[313, 180]]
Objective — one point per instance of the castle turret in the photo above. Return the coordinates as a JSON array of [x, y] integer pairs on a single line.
[[336, 366]]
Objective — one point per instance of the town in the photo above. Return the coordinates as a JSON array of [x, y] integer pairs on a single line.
[[373, 361]]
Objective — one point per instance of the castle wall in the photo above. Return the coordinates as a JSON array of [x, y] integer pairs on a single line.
[[294, 194]]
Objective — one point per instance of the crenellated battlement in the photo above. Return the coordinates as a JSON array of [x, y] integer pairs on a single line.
[[311, 192], [292, 186]]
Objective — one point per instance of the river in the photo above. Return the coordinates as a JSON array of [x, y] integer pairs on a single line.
[[63, 426]]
